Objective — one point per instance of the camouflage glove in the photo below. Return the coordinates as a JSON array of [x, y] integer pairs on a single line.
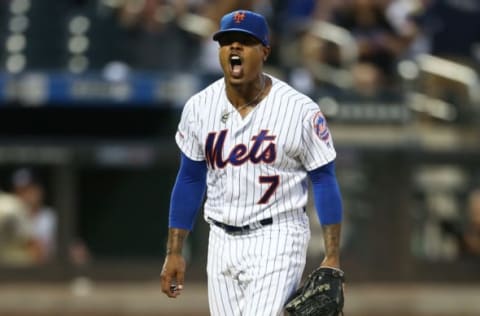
[[320, 295]]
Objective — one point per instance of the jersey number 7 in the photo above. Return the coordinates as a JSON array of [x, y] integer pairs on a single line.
[[273, 181]]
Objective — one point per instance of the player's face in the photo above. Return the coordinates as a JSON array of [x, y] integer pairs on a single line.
[[241, 57]]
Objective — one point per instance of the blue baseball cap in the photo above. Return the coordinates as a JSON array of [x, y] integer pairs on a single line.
[[244, 21]]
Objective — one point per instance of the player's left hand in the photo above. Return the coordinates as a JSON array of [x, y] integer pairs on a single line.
[[320, 295], [172, 276]]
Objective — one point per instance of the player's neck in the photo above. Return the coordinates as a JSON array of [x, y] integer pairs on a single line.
[[247, 95]]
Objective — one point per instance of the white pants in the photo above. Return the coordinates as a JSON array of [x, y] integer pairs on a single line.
[[254, 273]]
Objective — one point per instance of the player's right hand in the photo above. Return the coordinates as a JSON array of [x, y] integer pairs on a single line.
[[172, 276]]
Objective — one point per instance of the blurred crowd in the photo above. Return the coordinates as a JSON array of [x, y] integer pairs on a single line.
[[356, 45]]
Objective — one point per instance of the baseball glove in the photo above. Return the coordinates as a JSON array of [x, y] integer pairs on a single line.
[[320, 295]]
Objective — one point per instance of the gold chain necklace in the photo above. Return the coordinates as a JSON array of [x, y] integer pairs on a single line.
[[243, 106], [226, 113]]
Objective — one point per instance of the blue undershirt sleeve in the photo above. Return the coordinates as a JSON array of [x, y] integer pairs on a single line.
[[187, 194], [326, 194]]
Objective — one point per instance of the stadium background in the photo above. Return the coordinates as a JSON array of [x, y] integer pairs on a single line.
[[90, 95]]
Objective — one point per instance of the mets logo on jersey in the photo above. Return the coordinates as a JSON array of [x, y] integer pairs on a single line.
[[321, 128], [261, 150]]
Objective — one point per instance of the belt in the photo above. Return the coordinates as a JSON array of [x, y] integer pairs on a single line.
[[241, 229]]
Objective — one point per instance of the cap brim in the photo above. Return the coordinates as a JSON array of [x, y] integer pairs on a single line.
[[217, 35]]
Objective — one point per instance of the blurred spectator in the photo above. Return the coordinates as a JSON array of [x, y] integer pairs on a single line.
[[467, 235], [380, 44], [43, 220], [290, 22], [291, 16], [471, 235], [153, 38], [452, 28], [401, 14], [79, 254], [381, 36], [15, 231]]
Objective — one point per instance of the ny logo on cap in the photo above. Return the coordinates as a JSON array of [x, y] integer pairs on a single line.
[[239, 17]]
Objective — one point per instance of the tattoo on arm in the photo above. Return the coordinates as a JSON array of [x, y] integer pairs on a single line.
[[175, 241], [331, 235]]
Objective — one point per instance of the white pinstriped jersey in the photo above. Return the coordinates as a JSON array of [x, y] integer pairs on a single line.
[[257, 164]]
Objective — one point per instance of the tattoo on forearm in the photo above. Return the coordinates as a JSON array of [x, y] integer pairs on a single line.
[[331, 234], [175, 241]]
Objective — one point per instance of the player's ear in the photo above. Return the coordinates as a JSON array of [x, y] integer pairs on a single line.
[[266, 52]]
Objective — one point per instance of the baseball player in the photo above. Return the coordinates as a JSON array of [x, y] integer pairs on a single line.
[[251, 142]]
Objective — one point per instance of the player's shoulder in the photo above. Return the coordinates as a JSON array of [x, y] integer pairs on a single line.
[[291, 95], [207, 94]]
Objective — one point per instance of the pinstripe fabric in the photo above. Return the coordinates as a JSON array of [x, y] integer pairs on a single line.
[[254, 273], [257, 168], [234, 192]]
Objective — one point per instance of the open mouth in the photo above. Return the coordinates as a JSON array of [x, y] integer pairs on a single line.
[[236, 65]]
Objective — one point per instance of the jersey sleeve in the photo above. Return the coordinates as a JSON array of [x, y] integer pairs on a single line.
[[318, 149], [187, 137]]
